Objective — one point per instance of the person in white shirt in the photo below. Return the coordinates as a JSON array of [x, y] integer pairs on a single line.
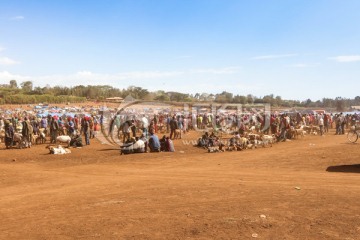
[[321, 125]]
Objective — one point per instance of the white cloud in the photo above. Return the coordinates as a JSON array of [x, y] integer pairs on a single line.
[[226, 70], [89, 78], [7, 61], [274, 56], [349, 58], [17, 18], [7, 76]]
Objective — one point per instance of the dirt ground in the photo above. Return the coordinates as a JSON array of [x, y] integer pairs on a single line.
[[302, 189]]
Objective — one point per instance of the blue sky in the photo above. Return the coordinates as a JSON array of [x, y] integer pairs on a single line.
[[297, 49]]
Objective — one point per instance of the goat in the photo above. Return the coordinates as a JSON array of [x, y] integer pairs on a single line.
[[177, 134], [18, 138], [2, 135], [214, 150], [268, 140], [41, 138]]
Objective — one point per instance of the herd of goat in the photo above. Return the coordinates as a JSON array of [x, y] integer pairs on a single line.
[[253, 139]]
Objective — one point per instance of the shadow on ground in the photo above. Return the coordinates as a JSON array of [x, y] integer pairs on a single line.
[[109, 149], [355, 168]]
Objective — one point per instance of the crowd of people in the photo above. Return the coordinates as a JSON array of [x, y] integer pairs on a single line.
[[144, 129], [32, 127]]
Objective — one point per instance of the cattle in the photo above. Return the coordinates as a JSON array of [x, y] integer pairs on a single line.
[[58, 150], [133, 147], [63, 139]]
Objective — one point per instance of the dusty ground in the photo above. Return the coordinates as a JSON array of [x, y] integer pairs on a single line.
[[94, 193]]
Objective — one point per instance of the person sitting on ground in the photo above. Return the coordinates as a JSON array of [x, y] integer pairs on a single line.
[[145, 140], [154, 143], [139, 145], [76, 141], [204, 140], [163, 146], [166, 144], [170, 145]]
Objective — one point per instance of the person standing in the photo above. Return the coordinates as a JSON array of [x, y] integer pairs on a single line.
[[343, 123], [321, 125], [133, 127], [126, 130], [26, 132], [145, 125], [91, 127], [173, 127], [283, 128], [86, 129], [9, 134], [326, 123], [54, 127], [71, 127], [156, 120]]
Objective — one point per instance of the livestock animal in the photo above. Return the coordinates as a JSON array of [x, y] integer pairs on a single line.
[[34, 138], [133, 147], [64, 139], [299, 132], [308, 129], [177, 134], [268, 140], [243, 142], [18, 139], [252, 129], [291, 132], [255, 141], [43, 130], [215, 149], [316, 130], [312, 129], [58, 150], [2, 135], [41, 138], [233, 145]]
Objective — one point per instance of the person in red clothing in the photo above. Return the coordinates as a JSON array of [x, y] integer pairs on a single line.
[[273, 124], [76, 122]]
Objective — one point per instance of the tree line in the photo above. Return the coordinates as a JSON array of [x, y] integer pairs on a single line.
[[26, 92]]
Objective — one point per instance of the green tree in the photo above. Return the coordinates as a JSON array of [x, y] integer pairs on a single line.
[[340, 104], [27, 86], [13, 84]]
